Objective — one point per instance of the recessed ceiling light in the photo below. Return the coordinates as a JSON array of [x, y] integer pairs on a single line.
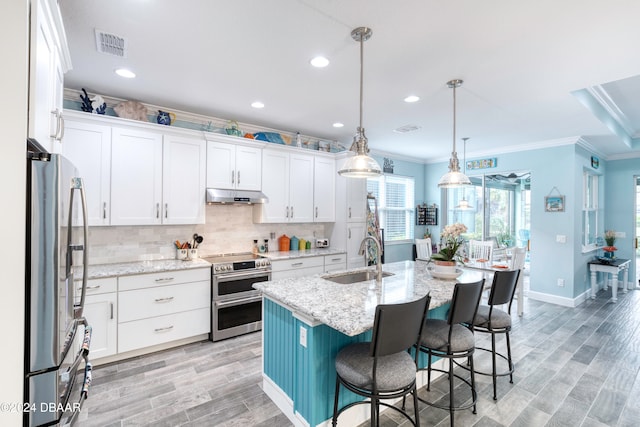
[[127, 74], [412, 98], [257, 104], [338, 125], [319, 62]]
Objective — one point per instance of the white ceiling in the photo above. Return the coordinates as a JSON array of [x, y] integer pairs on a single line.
[[520, 61]]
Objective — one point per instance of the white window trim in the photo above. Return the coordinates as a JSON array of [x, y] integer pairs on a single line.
[[409, 208]]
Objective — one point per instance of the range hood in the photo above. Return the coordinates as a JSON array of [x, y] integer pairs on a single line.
[[245, 197]]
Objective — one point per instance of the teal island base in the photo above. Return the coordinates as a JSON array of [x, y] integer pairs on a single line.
[[299, 366]]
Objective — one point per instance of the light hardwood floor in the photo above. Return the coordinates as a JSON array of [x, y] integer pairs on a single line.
[[574, 367]]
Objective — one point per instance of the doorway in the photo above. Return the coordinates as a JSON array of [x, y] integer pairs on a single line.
[[495, 206]]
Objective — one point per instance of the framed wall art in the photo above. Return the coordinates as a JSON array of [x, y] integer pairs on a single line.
[[554, 203]]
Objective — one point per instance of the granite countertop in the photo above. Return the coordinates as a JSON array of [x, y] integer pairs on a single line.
[[350, 308], [280, 255], [140, 267]]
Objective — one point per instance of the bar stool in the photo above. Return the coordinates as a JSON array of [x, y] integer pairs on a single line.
[[383, 368], [451, 339], [492, 320]]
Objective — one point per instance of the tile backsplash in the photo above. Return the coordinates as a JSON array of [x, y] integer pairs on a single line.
[[228, 228]]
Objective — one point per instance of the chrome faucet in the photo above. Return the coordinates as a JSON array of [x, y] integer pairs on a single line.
[[363, 244]]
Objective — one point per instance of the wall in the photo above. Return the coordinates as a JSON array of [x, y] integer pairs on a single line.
[[403, 251], [13, 110], [619, 205], [228, 229], [550, 167]]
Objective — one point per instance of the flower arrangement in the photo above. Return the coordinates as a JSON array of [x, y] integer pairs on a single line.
[[610, 239], [450, 243]]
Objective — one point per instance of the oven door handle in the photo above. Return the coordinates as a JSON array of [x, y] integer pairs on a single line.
[[234, 302], [231, 276]]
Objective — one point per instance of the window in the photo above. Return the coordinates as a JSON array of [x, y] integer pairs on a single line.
[[494, 206], [589, 211], [395, 198]]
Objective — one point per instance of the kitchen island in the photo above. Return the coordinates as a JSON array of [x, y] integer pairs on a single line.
[[307, 320]]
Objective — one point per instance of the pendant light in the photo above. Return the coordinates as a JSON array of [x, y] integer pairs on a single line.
[[454, 178], [464, 203], [361, 165]]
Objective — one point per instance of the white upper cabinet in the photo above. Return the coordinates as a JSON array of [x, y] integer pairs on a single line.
[[49, 61], [136, 177], [356, 199], [324, 189], [234, 167], [183, 184], [88, 146], [287, 180]]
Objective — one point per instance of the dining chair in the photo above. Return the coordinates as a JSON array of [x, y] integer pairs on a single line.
[[383, 368], [423, 249], [479, 250], [452, 339], [492, 320]]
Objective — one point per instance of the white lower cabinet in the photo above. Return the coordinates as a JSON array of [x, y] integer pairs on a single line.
[[307, 266], [162, 329], [297, 267], [158, 308], [101, 312], [335, 262]]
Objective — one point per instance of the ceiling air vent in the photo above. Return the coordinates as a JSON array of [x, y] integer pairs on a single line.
[[407, 128], [111, 44]]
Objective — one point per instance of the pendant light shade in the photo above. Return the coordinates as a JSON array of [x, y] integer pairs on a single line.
[[454, 178], [361, 165]]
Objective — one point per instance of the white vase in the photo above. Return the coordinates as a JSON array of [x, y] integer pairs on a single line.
[[448, 267]]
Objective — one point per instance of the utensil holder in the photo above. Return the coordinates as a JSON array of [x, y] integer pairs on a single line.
[[192, 254], [182, 254]]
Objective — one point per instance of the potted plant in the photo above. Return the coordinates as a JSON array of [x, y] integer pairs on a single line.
[[451, 242], [610, 240]]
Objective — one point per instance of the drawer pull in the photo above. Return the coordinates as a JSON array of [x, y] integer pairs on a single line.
[[89, 288], [164, 279], [297, 264], [111, 304], [168, 328], [167, 299], [336, 259]]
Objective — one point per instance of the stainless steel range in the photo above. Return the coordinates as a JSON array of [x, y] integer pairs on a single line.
[[236, 308]]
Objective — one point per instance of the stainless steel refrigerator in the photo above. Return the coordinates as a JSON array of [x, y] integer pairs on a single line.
[[57, 336]]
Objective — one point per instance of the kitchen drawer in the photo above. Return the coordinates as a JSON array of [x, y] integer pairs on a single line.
[[299, 272], [298, 263], [96, 286], [163, 329], [335, 259], [139, 281], [160, 300]]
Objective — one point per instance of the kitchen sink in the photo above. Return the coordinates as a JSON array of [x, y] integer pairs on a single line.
[[355, 277]]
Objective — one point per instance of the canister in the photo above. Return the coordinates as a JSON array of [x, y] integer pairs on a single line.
[[283, 243], [302, 244], [294, 243]]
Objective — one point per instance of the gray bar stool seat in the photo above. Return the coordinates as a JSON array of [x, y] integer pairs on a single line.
[[452, 339], [492, 320], [383, 368]]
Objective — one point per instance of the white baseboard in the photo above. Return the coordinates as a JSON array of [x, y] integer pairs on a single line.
[[558, 300]]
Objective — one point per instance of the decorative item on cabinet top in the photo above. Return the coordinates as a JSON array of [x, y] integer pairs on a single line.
[[165, 118], [87, 103], [139, 111]]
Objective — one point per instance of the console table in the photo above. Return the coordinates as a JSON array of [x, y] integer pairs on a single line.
[[613, 268]]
